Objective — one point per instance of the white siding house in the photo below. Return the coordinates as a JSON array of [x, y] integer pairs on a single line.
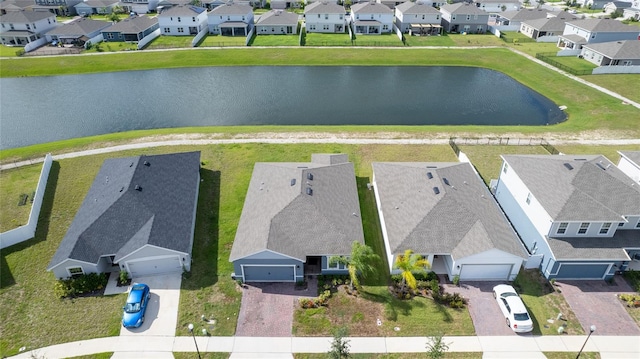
[[371, 18], [589, 31], [419, 18], [18, 28], [182, 20], [231, 20], [325, 17]]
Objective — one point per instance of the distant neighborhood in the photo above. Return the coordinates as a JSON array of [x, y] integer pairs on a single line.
[[601, 39]]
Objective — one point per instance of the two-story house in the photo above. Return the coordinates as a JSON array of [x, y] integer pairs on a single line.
[[140, 6], [497, 6], [589, 31], [231, 19], [18, 28], [418, 18], [183, 20], [58, 7], [578, 215], [369, 18], [15, 5], [464, 18], [323, 16]]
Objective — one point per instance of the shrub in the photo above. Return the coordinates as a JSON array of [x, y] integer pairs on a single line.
[[634, 279], [82, 284], [426, 276], [456, 280], [123, 277]]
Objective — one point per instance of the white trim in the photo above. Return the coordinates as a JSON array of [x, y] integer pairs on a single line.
[[270, 251], [295, 274], [71, 259], [609, 265], [69, 272], [123, 258]]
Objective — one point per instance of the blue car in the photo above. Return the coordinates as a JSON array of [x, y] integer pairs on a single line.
[[136, 306]]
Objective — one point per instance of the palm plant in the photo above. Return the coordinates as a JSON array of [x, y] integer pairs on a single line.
[[360, 264], [410, 263]]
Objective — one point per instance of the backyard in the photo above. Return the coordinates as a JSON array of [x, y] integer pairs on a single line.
[[275, 40], [320, 39]]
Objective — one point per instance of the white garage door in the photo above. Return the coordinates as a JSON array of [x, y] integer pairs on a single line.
[[485, 271], [161, 265]]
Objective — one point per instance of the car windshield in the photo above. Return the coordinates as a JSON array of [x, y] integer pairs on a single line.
[[132, 307], [521, 316], [508, 294]]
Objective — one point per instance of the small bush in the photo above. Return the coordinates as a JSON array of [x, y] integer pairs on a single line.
[[123, 277], [634, 279], [426, 276], [84, 284]]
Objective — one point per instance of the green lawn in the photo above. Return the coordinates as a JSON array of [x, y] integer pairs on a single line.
[[320, 39], [168, 42], [112, 47], [222, 41], [487, 159], [442, 40], [377, 40], [476, 40], [624, 84], [275, 40], [13, 184], [575, 63], [9, 51]]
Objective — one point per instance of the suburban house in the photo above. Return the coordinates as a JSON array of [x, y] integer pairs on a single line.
[[613, 6], [89, 7], [231, 19], [295, 217], [391, 4], [595, 4], [182, 20], [57, 7], [418, 18], [78, 32], [614, 53], [139, 6], [633, 12], [578, 215], [630, 164], [464, 18], [131, 29], [514, 19], [444, 212], [497, 6], [547, 29], [285, 4], [138, 216], [15, 5], [18, 28], [369, 18], [589, 31], [166, 4], [277, 22], [327, 17]]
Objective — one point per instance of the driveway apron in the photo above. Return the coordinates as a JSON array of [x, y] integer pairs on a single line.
[[267, 308], [596, 303]]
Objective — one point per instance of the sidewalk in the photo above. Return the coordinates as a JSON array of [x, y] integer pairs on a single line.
[[519, 346]]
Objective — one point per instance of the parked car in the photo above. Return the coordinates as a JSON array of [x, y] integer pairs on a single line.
[[513, 308], [136, 306]]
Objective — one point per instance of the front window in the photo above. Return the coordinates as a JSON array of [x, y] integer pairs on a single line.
[[562, 228], [583, 228], [605, 228], [76, 271]]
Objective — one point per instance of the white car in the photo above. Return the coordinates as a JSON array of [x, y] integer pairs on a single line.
[[513, 309]]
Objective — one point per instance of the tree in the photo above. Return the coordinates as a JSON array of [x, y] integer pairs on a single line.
[[410, 263], [436, 347], [360, 264], [339, 345]]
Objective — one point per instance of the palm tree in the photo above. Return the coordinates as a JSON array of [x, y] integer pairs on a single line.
[[410, 263], [360, 264]]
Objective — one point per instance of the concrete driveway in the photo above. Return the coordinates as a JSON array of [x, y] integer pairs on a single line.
[[484, 310], [594, 302], [161, 317]]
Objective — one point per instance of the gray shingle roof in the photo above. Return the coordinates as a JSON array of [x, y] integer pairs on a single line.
[[278, 17], [279, 214], [324, 8], [13, 5], [462, 219], [632, 155], [231, 9], [604, 25], [23, 17], [80, 27], [410, 7], [524, 14], [593, 190], [556, 24], [463, 8], [183, 10], [132, 25], [617, 50], [370, 8], [115, 218], [98, 3], [593, 248]]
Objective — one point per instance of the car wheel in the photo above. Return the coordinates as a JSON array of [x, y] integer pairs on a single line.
[[495, 296], [143, 319], [508, 323]]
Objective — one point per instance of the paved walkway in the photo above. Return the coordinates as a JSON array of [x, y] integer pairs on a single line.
[[610, 347]]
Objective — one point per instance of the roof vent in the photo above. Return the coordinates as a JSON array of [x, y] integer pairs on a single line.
[[310, 176], [429, 175], [146, 163], [309, 191], [581, 159], [436, 190], [446, 181], [131, 164], [138, 188], [293, 181], [602, 167], [121, 189], [432, 166], [568, 165]]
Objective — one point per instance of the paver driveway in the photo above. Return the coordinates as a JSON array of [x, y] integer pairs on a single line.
[[486, 315], [595, 303], [267, 308]]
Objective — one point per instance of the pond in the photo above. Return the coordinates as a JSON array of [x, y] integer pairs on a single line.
[[44, 109]]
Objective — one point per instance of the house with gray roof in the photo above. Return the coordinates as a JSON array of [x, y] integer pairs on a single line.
[[632, 12], [231, 19], [15, 5], [546, 29], [497, 6], [464, 18], [590, 31], [326, 17], [89, 7], [630, 164], [296, 216], [614, 6], [578, 215], [614, 53], [138, 216], [78, 32], [131, 29], [183, 20], [277, 22], [418, 18], [444, 212], [19, 28], [371, 18], [57, 7]]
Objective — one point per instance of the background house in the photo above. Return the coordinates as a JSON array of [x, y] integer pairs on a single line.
[[614, 53], [231, 19], [19, 28], [579, 215], [497, 6], [589, 31], [295, 217], [139, 216], [632, 12], [182, 20], [131, 29], [444, 212], [630, 164], [326, 17], [417, 18], [464, 18], [57, 7], [78, 32], [369, 18], [546, 29], [89, 7], [139, 6], [277, 22]]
